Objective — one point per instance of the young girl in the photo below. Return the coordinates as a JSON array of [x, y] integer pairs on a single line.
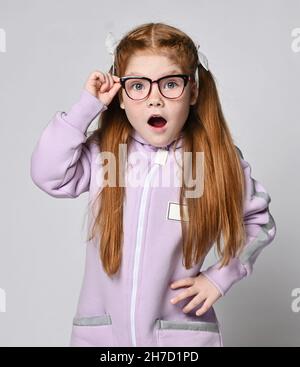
[[144, 284]]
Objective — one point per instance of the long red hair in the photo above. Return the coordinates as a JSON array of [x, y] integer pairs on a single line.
[[219, 211]]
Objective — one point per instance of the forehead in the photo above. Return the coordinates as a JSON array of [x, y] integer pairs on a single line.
[[151, 65]]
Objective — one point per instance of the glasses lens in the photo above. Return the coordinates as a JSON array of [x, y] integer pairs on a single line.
[[172, 87], [137, 88]]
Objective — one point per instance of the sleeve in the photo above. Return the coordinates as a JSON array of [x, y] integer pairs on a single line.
[[61, 159], [260, 231]]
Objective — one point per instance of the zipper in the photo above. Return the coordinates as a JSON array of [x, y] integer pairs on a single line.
[[160, 159]]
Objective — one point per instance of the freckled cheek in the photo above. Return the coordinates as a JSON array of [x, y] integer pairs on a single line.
[[180, 115], [133, 108], [135, 116]]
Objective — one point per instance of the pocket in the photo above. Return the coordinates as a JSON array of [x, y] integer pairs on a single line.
[[92, 331], [183, 333]]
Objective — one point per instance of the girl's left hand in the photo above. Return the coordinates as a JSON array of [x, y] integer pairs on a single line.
[[203, 289]]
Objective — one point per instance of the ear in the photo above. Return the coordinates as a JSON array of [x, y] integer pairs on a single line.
[[121, 102]]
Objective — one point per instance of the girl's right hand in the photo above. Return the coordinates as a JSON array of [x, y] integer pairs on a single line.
[[103, 86]]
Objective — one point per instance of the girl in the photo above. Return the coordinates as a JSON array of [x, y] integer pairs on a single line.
[[144, 284]]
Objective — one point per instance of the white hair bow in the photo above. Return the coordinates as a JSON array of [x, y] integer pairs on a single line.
[[202, 60], [111, 43]]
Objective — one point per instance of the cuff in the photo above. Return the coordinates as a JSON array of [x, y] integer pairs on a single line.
[[226, 276], [83, 112]]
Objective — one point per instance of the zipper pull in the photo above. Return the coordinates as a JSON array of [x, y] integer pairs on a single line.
[[161, 156]]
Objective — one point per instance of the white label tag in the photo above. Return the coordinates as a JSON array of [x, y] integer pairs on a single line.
[[173, 212]]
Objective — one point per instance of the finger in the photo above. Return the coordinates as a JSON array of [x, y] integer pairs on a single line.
[[104, 86], [194, 302], [114, 87], [205, 307], [97, 76], [106, 78], [98, 79], [116, 78], [182, 282], [187, 293], [116, 82], [111, 82], [93, 83]]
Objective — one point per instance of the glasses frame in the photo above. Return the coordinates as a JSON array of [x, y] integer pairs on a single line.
[[185, 78]]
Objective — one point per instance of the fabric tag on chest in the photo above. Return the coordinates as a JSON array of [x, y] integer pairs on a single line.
[[173, 212]]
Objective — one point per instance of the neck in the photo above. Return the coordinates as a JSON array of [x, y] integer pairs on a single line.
[[135, 135]]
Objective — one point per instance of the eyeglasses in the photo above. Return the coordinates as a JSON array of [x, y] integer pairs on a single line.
[[170, 86]]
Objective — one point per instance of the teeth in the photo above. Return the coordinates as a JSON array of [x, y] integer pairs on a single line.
[[158, 116]]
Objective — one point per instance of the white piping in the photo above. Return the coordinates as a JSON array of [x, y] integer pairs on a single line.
[[160, 159], [140, 227]]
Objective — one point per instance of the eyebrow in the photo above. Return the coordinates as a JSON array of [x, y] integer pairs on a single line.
[[168, 73]]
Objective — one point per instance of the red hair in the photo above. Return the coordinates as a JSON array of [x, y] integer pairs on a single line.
[[219, 211]]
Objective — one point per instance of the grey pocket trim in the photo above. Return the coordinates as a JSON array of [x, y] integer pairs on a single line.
[[188, 325], [92, 320]]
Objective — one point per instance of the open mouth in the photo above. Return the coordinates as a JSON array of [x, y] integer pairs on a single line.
[[157, 121]]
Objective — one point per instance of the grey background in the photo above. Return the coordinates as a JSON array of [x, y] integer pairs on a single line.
[[51, 47]]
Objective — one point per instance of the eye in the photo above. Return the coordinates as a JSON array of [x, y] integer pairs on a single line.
[[134, 84], [170, 84]]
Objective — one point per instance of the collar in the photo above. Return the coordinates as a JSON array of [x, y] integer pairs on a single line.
[[136, 136]]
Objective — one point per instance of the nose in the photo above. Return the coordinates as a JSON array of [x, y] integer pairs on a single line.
[[154, 96]]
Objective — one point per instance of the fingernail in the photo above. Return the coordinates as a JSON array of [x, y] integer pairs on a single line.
[[172, 300]]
